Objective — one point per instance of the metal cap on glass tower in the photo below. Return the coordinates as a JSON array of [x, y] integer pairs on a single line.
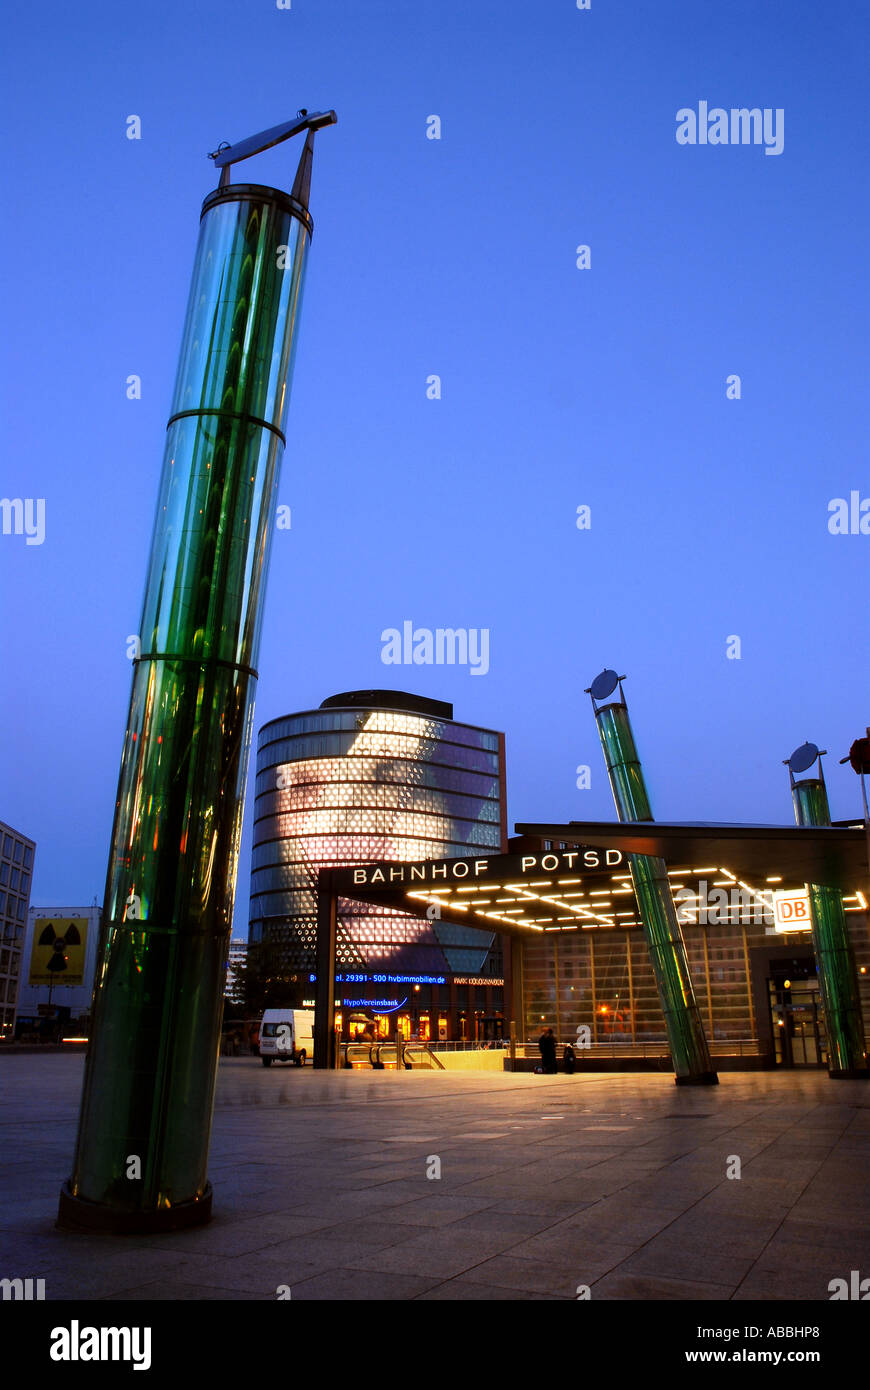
[[803, 758], [227, 155], [604, 685]]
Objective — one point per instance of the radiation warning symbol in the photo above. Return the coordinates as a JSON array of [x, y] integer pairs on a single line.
[[58, 953]]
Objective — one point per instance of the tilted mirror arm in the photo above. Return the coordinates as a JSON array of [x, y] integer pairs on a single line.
[[227, 155]]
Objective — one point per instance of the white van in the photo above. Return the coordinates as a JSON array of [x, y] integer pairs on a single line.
[[287, 1035]]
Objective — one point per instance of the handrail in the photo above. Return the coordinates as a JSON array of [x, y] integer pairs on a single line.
[[425, 1050], [390, 1046], [741, 1047], [350, 1049], [371, 1053]]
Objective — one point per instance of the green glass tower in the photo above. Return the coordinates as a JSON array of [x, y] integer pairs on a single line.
[[649, 875], [835, 960], [141, 1156]]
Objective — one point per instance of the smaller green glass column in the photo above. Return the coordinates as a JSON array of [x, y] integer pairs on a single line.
[[649, 875], [835, 960]]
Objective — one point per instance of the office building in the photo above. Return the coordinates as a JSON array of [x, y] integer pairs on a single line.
[[378, 775], [238, 954], [16, 876]]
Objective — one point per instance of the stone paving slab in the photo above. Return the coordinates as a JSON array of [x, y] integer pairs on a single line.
[[617, 1181], [545, 1278], [462, 1290]]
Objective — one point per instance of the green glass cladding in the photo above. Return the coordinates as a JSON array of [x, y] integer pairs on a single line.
[[152, 1064], [623, 763], [649, 875], [239, 333], [810, 800], [215, 511], [835, 959]]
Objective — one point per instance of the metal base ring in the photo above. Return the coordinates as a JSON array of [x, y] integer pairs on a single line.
[[76, 1214]]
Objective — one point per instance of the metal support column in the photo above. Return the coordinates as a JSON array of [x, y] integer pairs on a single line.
[[324, 999], [515, 1004]]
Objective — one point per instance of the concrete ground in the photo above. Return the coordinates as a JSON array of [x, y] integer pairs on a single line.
[[617, 1182]]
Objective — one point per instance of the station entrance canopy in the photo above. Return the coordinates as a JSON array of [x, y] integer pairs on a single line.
[[517, 894], [496, 892], [583, 886], [541, 889], [835, 856]]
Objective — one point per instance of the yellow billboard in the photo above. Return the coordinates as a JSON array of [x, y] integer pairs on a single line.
[[57, 956]]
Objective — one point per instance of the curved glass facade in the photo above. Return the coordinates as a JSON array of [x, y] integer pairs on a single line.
[[351, 786]]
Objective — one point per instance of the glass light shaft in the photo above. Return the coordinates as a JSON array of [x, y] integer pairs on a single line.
[[688, 1043], [155, 1036], [835, 960]]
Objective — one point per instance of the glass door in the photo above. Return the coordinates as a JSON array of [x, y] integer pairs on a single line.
[[799, 1034]]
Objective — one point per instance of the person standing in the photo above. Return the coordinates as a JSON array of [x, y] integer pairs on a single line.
[[547, 1045]]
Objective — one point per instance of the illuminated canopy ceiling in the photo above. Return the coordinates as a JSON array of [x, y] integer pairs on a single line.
[[832, 855], [583, 888]]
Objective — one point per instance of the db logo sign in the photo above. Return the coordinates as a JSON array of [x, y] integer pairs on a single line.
[[791, 911]]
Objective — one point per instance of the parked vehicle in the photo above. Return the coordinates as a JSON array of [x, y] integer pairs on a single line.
[[287, 1035]]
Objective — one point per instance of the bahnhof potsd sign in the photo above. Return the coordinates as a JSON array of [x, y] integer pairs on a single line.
[[575, 949]]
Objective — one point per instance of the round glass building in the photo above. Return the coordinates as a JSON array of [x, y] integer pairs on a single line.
[[374, 775]]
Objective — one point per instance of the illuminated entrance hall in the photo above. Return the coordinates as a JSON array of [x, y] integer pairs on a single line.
[[576, 957]]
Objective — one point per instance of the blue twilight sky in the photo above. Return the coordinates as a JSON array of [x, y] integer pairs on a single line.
[[560, 387]]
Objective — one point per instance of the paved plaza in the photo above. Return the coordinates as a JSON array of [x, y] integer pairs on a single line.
[[324, 1182]]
